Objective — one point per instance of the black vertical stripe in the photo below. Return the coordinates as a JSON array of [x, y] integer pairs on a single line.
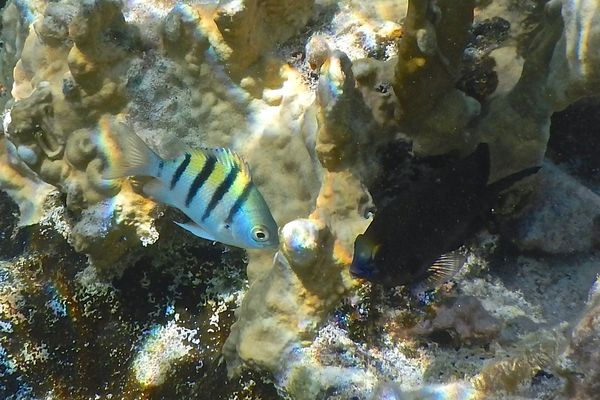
[[239, 202], [220, 191], [207, 169], [161, 165], [180, 169]]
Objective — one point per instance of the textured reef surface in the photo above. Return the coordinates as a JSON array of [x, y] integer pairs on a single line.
[[334, 105]]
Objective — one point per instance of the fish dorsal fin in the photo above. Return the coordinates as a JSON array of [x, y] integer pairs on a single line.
[[229, 158], [444, 268], [175, 146]]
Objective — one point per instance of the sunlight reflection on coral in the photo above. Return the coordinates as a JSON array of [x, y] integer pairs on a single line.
[[161, 348]]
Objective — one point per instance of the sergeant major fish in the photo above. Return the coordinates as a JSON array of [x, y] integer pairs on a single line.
[[212, 186], [414, 238]]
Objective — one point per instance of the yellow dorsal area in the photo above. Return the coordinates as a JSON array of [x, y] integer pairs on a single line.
[[229, 158], [226, 160]]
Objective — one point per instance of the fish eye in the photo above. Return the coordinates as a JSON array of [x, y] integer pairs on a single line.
[[369, 212], [260, 233]]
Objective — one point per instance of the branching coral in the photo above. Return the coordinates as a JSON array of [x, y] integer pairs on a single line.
[[238, 22], [439, 118], [432, 112], [66, 86], [269, 325], [528, 102], [430, 52], [285, 304], [57, 105]]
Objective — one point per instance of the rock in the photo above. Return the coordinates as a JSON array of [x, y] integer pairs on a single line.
[[465, 320], [563, 216], [581, 359]]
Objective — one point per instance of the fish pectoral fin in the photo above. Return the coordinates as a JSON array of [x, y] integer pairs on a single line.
[[196, 230], [159, 192], [444, 268]]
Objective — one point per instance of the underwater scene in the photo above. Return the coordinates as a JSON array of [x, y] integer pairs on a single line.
[[300, 199]]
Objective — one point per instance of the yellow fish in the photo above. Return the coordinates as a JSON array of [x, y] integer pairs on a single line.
[[212, 186]]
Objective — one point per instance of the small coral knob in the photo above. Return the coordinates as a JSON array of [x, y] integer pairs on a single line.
[[301, 240]]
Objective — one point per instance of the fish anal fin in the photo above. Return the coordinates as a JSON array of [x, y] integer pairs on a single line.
[[159, 192], [230, 158], [444, 268], [196, 230]]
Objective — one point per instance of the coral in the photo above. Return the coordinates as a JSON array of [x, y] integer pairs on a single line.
[[72, 163], [478, 76], [310, 269], [317, 52], [528, 102], [58, 102], [574, 64], [250, 28], [164, 346], [431, 48], [15, 23], [66, 83], [539, 91], [24, 187], [346, 124], [432, 113], [438, 118], [61, 123]]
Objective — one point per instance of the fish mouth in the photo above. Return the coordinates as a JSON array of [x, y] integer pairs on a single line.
[[364, 269], [272, 245]]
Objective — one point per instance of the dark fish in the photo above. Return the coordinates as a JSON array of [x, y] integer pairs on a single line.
[[415, 235]]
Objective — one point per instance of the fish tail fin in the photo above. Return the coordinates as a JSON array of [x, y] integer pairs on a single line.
[[134, 158], [506, 182]]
